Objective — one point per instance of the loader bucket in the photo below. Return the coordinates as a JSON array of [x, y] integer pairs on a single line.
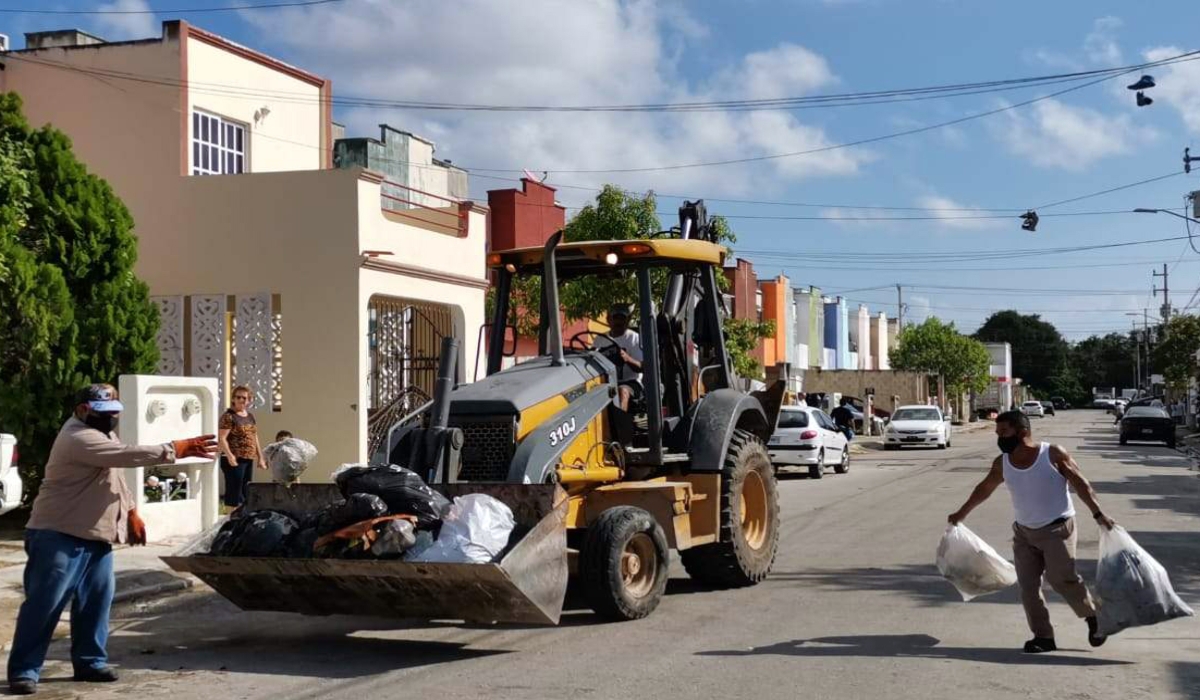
[[527, 585]]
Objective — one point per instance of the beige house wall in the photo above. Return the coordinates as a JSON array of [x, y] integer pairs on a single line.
[[228, 85], [128, 132]]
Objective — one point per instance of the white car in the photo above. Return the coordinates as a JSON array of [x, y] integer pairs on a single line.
[[10, 478], [807, 436], [917, 426], [1033, 408]]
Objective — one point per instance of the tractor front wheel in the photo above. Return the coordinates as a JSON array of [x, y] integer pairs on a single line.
[[623, 563], [749, 535]]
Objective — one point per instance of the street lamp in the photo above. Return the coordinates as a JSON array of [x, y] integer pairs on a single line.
[[1140, 210]]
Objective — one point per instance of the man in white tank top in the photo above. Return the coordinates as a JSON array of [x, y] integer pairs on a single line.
[[1038, 476]]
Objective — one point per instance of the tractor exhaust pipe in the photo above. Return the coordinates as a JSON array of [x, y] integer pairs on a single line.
[[447, 364], [552, 319]]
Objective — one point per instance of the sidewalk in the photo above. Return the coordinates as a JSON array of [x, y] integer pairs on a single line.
[[139, 573]]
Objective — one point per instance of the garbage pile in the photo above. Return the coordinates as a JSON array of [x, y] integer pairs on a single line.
[[387, 512], [288, 459], [971, 564], [1133, 587]]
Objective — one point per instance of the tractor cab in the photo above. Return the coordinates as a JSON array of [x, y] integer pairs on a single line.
[[670, 282]]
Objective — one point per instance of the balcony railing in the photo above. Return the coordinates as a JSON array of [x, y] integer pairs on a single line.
[[424, 209]]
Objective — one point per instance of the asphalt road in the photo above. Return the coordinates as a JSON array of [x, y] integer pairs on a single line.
[[855, 609]]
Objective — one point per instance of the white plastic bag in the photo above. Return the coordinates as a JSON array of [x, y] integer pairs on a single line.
[[1133, 588], [474, 531], [288, 458], [971, 564]]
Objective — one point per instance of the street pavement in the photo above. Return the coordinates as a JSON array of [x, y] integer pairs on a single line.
[[855, 608]]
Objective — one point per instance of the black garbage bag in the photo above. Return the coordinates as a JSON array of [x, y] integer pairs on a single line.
[[300, 545], [263, 533], [355, 509], [401, 489]]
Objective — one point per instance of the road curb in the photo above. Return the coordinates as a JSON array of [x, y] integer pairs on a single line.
[[152, 591]]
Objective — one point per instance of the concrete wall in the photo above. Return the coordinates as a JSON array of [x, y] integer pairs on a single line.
[[837, 333], [810, 327], [860, 338], [775, 308], [909, 386]]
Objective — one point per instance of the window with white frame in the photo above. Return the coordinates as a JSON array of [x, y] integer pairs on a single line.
[[218, 145]]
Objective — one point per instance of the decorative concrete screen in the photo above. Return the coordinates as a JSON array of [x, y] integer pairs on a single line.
[[185, 499]]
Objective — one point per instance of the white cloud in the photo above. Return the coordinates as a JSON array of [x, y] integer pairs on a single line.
[[120, 27], [1053, 134], [1100, 44], [1178, 85], [553, 52], [950, 213]]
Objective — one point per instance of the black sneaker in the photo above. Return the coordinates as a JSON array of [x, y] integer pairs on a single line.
[[22, 687], [97, 675], [1094, 638], [1039, 645]]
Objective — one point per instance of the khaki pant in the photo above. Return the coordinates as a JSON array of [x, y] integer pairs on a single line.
[[1048, 550]]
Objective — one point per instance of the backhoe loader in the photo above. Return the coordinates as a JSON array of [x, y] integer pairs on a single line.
[[601, 495]]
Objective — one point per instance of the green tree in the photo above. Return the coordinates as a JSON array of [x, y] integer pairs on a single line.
[[1038, 350], [1103, 361], [619, 215], [71, 309], [937, 348], [1175, 354]]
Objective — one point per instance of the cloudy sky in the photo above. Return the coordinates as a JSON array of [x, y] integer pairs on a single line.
[[819, 217]]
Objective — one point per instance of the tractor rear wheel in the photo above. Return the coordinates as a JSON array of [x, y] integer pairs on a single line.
[[749, 537], [623, 563]]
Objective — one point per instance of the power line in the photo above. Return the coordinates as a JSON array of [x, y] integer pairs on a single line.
[[171, 11], [907, 132], [1110, 190]]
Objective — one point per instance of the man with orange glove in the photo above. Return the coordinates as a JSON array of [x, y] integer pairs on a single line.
[[82, 509]]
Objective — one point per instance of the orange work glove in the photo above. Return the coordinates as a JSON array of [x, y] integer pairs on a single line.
[[137, 528], [204, 446]]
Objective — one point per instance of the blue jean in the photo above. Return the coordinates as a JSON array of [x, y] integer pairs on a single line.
[[63, 568], [237, 480]]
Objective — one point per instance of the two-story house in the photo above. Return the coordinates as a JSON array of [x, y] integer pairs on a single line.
[[325, 290]]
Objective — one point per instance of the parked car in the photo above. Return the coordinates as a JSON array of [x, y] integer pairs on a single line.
[[917, 425], [1033, 408], [1106, 404], [1048, 407], [1147, 423], [10, 477], [1060, 403], [807, 436]]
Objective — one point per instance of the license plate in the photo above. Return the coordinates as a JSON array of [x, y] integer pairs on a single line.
[[1147, 431], [773, 441], [913, 439]]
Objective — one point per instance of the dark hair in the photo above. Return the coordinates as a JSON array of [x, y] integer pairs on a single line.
[[1014, 419], [844, 401], [282, 435]]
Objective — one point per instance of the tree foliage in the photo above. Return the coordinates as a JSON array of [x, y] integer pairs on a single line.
[[1038, 350], [619, 215], [1175, 354], [71, 309], [1102, 361], [937, 348]]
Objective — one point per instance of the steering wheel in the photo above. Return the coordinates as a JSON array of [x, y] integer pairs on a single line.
[[611, 350]]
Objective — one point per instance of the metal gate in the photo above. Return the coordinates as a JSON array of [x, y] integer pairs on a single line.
[[404, 338]]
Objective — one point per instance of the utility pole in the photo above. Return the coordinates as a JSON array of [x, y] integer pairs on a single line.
[[1166, 307], [899, 308]]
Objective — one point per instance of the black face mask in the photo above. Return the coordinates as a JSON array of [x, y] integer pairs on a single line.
[[1008, 444], [104, 422]]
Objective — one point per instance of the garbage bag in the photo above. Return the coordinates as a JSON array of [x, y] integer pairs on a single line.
[[300, 546], [424, 542], [288, 458], [403, 491], [355, 509], [393, 539], [971, 564], [262, 533], [475, 531], [1133, 588]]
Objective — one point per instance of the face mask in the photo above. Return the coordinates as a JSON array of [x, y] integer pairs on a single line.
[[1008, 444], [104, 422]]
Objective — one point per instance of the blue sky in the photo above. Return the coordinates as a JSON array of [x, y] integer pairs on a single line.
[[607, 52]]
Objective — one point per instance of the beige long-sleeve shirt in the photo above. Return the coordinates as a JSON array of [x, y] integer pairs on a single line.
[[83, 493]]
